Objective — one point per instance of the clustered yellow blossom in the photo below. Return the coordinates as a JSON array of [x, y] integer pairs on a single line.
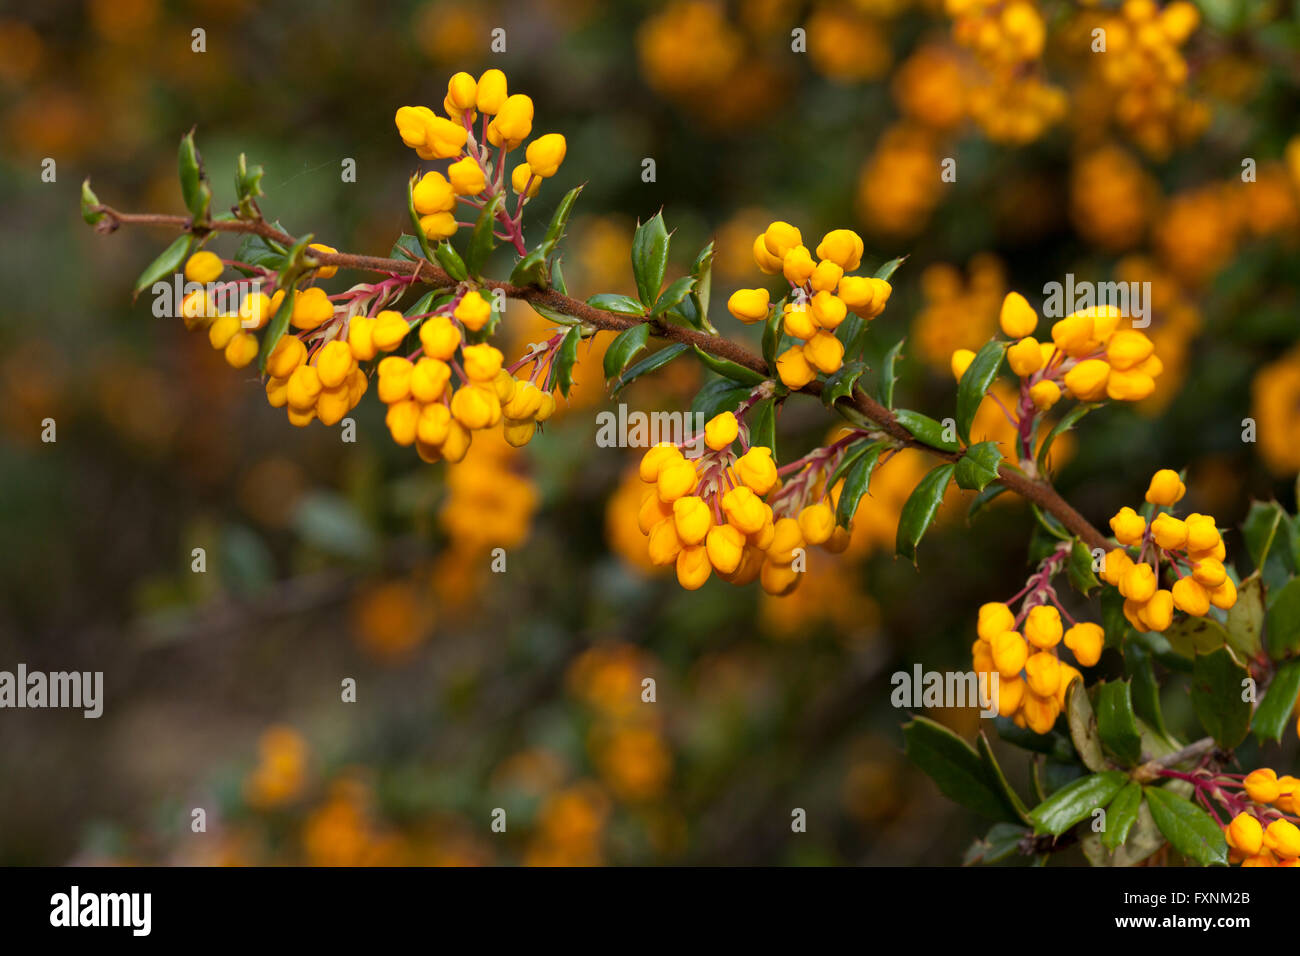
[[709, 514], [1262, 834], [1089, 358], [1032, 679], [822, 293], [1191, 548]]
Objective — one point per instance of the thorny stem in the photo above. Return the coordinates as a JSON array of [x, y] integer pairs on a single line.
[[1038, 491]]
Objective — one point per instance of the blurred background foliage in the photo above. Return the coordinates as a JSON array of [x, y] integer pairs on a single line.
[[522, 690]]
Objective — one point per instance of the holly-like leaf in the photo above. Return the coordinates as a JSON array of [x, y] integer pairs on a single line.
[[560, 219], [729, 369], [1079, 568], [1082, 722], [1273, 715], [1143, 688], [1283, 621], [1002, 840], [719, 395], [1076, 800], [451, 261], [1189, 829], [925, 429], [565, 357], [975, 382], [762, 424], [920, 509], [624, 347], [994, 771], [1245, 619], [276, 327], [956, 768], [1068, 421], [650, 363], [839, 384], [1218, 680], [978, 466], [168, 263], [856, 469], [1121, 814], [88, 202], [1116, 724], [194, 181], [888, 375], [984, 497], [773, 332], [1268, 531], [889, 268], [650, 257], [1195, 635], [613, 302], [483, 238], [677, 290]]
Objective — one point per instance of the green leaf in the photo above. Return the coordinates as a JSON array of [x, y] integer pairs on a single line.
[[888, 377], [1121, 815], [1081, 575], [565, 357], [999, 778], [88, 202], [1189, 829], [450, 261], [1217, 684], [1245, 619], [620, 304], [650, 363], [925, 429], [956, 768], [729, 369], [718, 395], [975, 382], [1116, 724], [856, 469], [1083, 727], [677, 290], [889, 268], [1267, 531], [650, 257], [530, 270], [1076, 800], [840, 383], [248, 187], [1274, 712], [194, 181], [329, 522], [1195, 635], [168, 263], [1144, 838], [624, 346], [920, 509], [1068, 421], [1002, 840], [702, 269], [978, 466], [984, 497], [276, 328], [1283, 621], [762, 424], [483, 239], [257, 251], [773, 332], [1142, 684], [1052, 744], [555, 231], [557, 276]]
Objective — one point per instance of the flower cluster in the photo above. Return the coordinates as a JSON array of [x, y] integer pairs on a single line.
[[1191, 548], [1089, 358], [1260, 833], [1022, 650], [822, 294], [709, 514]]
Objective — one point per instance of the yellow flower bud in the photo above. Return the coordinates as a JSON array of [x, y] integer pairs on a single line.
[[1202, 533], [203, 267], [749, 305], [241, 349], [513, 122], [443, 139], [1131, 386], [1043, 628], [794, 369], [412, 124], [439, 225], [1025, 357], [676, 478], [524, 403], [1191, 596], [826, 276], [1169, 532], [434, 424], [1128, 349], [491, 92], [664, 545], [1116, 566], [324, 272], [311, 309], [721, 430], [652, 511], [798, 265], [1129, 526], [780, 238], [693, 567], [1245, 834], [255, 311], [395, 375], [1086, 640], [334, 363], [829, 310], [692, 518], [842, 247], [994, 618], [522, 178], [1167, 489], [1011, 693], [546, 409], [744, 509], [433, 194], [778, 579], [1017, 317], [429, 380], [1209, 572], [961, 360], [725, 546], [1043, 673], [1009, 653], [439, 337], [1044, 394], [1073, 334], [1139, 583], [1283, 838], [457, 443], [504, 386], [1225, 595], [223, 330], [466, 178], [287, 355], [824, 352], [757, 469], [518, 433], [361, 338], [798, 321], [766, 262], [482, 362], [1087, 380], [475, 407], [303, 388], [1040, 712], [1158, 613], [301, 419], [332, 404], [545, 154], [462, 91], [402, 420], [473, 310], [277, 392], [816, 522], [865, 295], [390, 330]]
